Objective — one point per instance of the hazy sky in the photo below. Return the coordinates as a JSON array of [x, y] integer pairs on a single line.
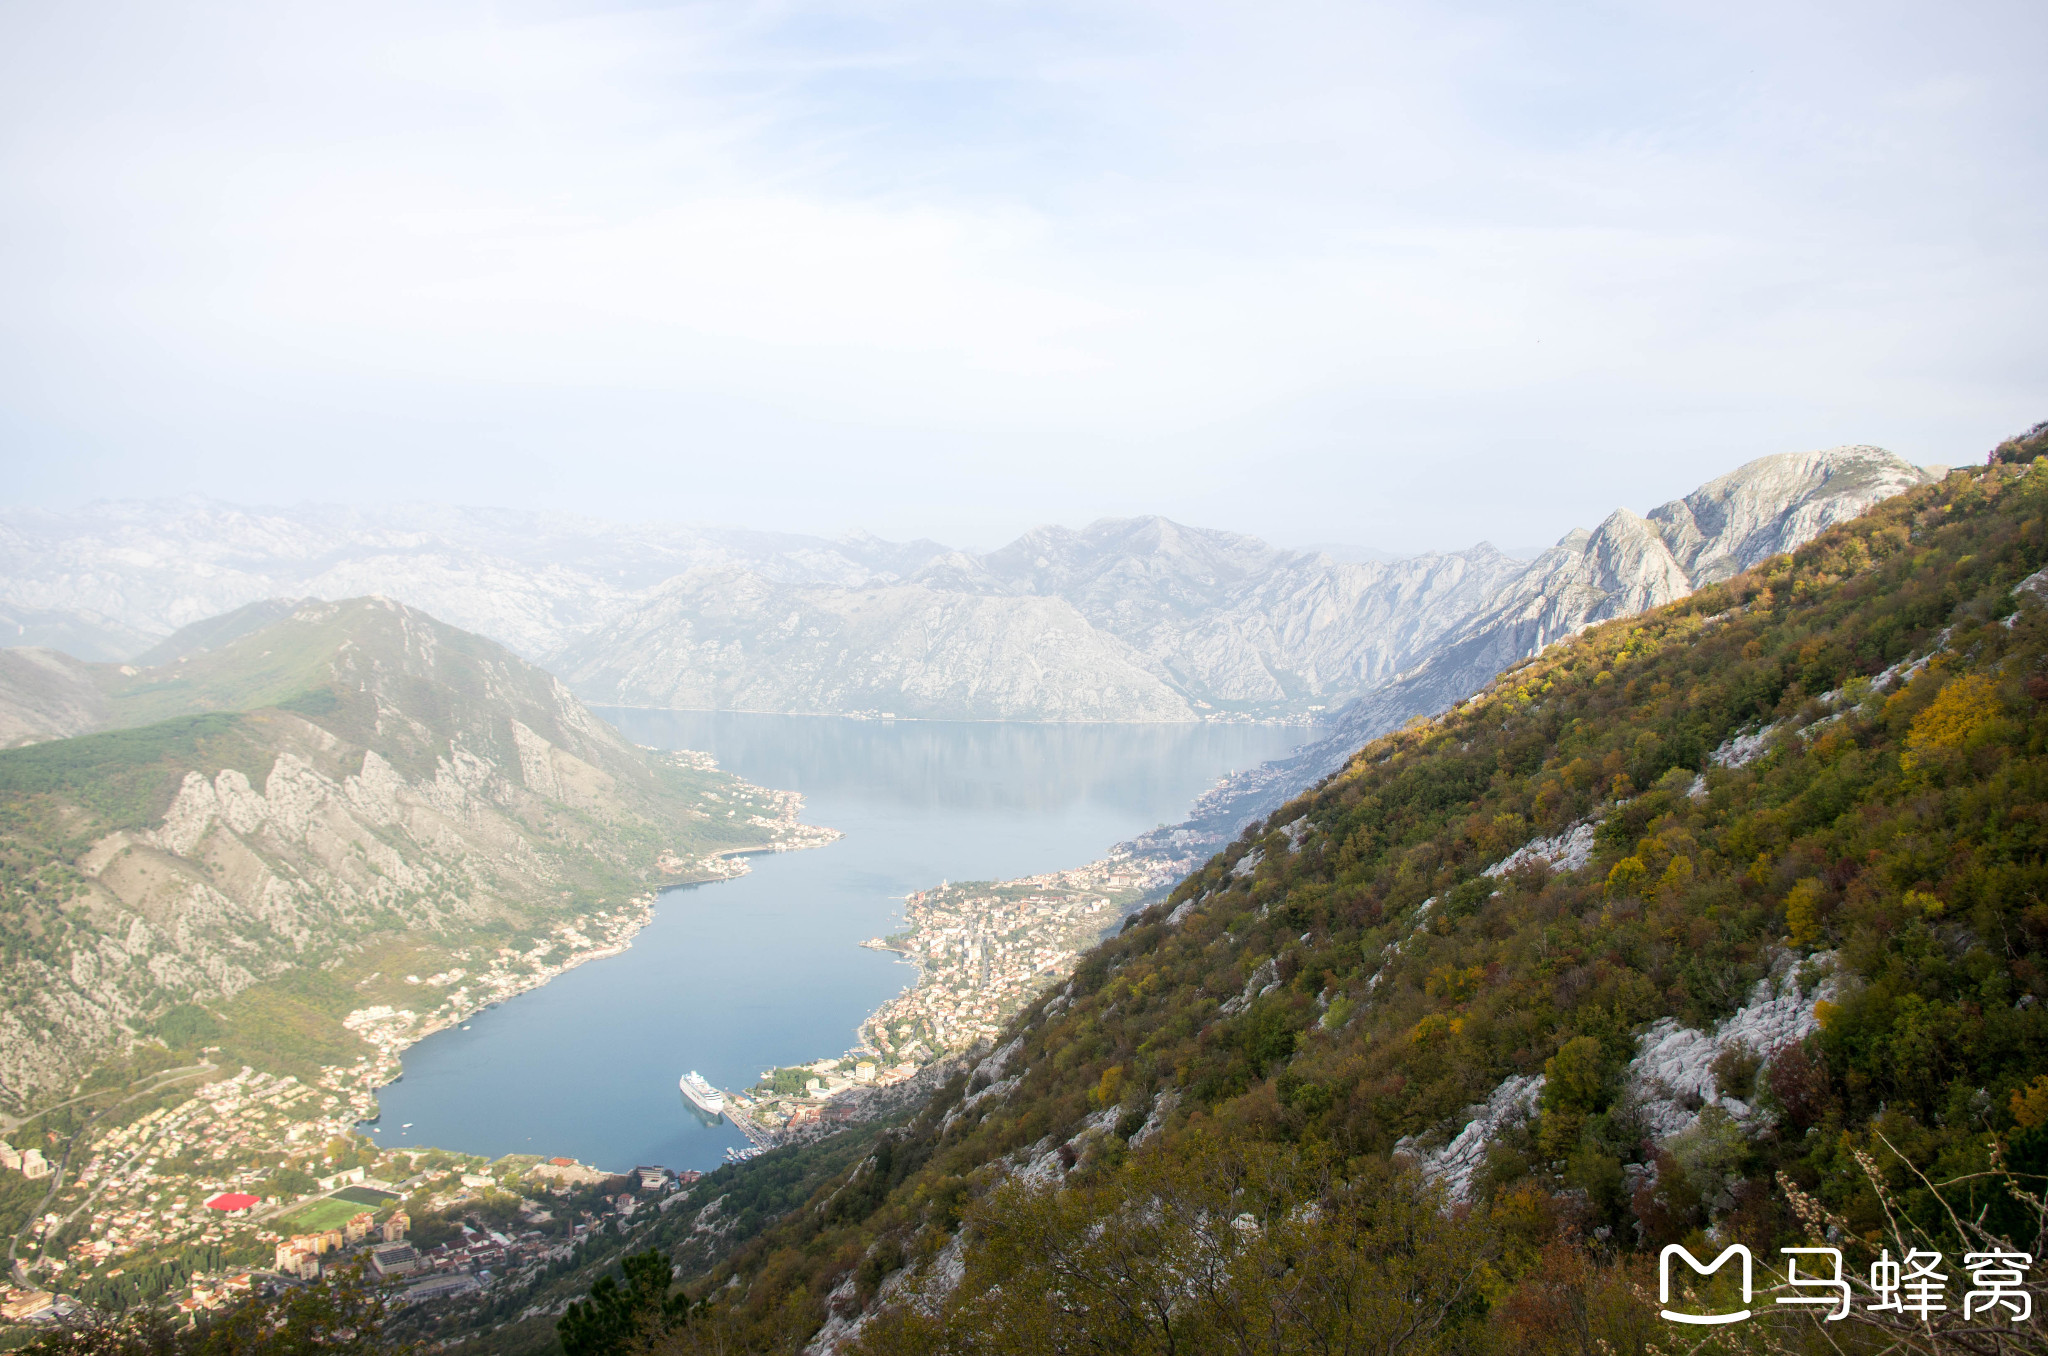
[[1404, 274]]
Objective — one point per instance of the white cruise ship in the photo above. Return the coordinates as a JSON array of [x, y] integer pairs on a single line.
[[708, 1099]]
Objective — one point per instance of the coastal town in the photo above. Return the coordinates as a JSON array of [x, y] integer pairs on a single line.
[[145, 1184], [155, 1216], [217, 1183], [983, 949], [209, 1178], [778, 812]]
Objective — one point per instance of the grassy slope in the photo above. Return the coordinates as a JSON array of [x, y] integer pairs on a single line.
[[269, 667], [1906, 837]]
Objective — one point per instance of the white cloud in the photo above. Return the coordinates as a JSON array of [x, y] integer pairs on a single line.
[[984, 265]]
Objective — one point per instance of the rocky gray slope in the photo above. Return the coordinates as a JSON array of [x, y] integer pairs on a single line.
[[46, 694], [1130, 619], [1238, 624], [733, 640], [1628, 564]]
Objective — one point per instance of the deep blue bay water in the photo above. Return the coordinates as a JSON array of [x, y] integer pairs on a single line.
[[737, 976]]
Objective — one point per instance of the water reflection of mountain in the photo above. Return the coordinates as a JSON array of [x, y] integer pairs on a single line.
[[980, 765]]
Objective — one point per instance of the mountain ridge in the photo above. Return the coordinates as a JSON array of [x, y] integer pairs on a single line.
[[1123, 619]]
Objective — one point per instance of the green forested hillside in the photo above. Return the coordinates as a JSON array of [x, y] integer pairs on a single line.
[[1237, 1128]]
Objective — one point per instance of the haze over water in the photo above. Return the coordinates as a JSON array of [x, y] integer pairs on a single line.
[[734, 977]]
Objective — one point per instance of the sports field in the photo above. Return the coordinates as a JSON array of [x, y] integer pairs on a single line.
[[365, 1196], [319, 1216]]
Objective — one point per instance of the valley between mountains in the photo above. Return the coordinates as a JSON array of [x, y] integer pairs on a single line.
[[1634, 894]]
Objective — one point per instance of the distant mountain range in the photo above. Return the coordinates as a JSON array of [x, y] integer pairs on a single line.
[[113, 578], [1127, 619], [1627, 565]]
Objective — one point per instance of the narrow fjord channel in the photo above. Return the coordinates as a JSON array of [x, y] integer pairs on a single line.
[[734, 977]]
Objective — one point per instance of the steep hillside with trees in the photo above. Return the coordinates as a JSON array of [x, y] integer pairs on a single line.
[[1722, 923]]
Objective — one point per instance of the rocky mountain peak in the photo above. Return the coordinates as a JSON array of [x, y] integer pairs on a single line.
[[1733, 521], [276, 795], [1628, 561]]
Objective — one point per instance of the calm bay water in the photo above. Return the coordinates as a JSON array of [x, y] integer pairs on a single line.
[[737, 976]]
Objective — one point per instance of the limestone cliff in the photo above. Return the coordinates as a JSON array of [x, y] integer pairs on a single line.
[[1237, 624]]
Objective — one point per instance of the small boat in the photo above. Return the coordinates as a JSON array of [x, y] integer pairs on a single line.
[[406, 1126], [706, 1098]]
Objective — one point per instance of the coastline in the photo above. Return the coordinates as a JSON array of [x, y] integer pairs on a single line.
[[267, 1114], [982, 951], [596, 935], [937, 932], [391, 1031]]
